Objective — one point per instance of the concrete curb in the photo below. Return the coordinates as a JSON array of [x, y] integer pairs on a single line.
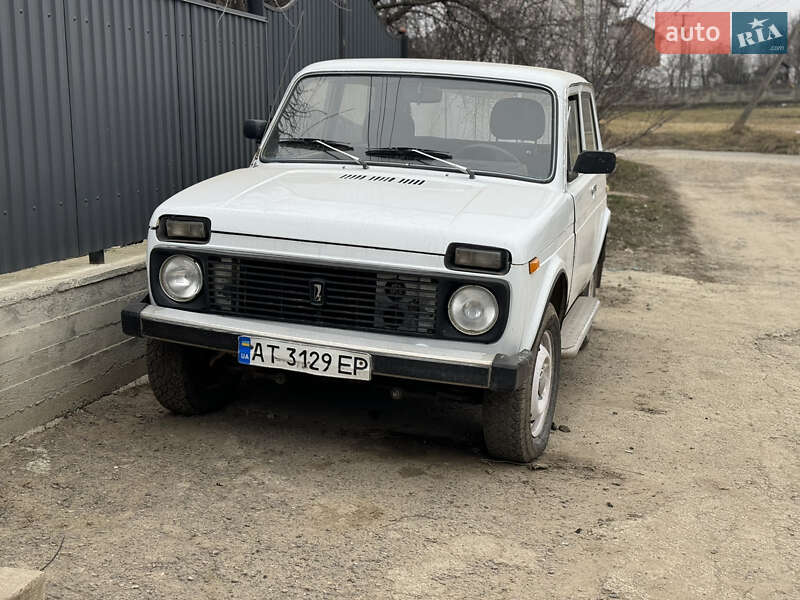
[[51, 278], [21, 584]]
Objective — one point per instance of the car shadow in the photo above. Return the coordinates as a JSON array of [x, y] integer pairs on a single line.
[[412, 421]]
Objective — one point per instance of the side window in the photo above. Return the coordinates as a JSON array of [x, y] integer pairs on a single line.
[[589, 125], [573, 137]]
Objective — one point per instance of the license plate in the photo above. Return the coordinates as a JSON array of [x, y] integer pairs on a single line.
[[315, 360]]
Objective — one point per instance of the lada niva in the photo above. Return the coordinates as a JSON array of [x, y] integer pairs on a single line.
[[439, 221]]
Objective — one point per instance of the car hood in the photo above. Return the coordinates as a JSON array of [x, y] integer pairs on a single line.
[[395, 208]]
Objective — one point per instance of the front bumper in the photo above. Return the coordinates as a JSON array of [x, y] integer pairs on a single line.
[[498, 372]]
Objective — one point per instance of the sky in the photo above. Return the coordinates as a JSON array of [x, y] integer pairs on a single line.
[[790, 6]]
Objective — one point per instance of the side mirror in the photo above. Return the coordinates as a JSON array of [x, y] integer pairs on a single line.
[[254, 129], [595, 162]]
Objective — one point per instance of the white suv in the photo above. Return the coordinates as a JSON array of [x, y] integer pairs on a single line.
[[441, 221]]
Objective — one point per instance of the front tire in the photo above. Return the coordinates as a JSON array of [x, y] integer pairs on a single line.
[[190, 381], [516, 425]]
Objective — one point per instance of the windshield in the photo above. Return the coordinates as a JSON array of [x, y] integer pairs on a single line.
[[482, 126]]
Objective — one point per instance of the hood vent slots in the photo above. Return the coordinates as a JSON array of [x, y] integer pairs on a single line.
[[382, 179]]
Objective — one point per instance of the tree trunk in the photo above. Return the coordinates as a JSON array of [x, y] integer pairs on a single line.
[[738, 126]]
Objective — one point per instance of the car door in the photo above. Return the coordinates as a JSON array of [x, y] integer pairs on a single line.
[[587, 190]]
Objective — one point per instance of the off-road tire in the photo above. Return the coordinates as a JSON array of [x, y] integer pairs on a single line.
[[190, 381], [506, 415]]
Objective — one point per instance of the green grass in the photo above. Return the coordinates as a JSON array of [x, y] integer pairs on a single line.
[[772, 129]]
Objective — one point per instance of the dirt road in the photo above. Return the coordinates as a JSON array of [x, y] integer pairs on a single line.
[[679, 477]]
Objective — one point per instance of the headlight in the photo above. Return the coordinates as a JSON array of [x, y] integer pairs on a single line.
[[181, 278], [473, 310]]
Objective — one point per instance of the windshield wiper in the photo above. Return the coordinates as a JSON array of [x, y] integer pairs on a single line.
[[312, 142], [402, 151], [339, 147], [406, 152]]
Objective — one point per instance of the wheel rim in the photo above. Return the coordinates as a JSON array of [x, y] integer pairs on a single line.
[[542, 384]]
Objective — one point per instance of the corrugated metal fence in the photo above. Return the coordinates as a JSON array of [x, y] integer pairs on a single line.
[[109, 107]]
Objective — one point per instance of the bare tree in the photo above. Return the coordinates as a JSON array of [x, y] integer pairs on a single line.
[[739, 125], [587, 37], [731, 68]]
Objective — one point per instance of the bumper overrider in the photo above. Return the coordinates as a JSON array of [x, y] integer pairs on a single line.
[[498, 373]]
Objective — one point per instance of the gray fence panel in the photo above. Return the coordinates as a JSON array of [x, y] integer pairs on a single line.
[[230, 85], [37, 189], [186, 76], [306, 33], [108, 107], [124, 92]]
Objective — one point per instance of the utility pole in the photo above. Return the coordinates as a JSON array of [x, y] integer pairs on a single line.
[[738, 126]]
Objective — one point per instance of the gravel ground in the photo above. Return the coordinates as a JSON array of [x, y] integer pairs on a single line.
[[678, 477]]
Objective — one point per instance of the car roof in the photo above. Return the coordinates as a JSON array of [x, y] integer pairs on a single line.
[[557, 80]]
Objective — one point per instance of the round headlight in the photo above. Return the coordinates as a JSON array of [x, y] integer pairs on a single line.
[[473, 310], [181, 278]]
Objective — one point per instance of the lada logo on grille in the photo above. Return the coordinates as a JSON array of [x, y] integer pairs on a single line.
[[316, 292]]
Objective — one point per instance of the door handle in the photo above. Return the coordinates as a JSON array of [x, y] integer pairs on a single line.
[[594, 189]]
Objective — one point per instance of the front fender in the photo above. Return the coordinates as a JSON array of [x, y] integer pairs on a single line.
[[545, 279]]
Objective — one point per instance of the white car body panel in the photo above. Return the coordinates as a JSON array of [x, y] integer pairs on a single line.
[[312, 202]]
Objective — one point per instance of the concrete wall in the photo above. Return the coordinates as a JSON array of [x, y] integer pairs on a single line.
[[61, 345]]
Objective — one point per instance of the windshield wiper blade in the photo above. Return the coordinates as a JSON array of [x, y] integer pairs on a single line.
[[339, 147], [404, 151], [312, 142], [431, 154]]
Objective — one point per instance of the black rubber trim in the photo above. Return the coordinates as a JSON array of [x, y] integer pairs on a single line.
[[131, 318], [191, 336], [505, 374], [409, 368], [508, 371]]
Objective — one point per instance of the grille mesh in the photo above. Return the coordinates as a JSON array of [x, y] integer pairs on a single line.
[[353, 298]]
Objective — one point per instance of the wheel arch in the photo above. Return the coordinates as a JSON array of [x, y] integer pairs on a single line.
[[554, 287], [559, 294]]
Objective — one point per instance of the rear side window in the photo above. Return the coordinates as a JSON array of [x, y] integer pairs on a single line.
[[573, 137], [589, 125]]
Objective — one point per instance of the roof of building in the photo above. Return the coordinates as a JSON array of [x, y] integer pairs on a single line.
[[549, 77]]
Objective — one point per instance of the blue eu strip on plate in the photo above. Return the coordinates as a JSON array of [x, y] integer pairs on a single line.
[[244, 349]]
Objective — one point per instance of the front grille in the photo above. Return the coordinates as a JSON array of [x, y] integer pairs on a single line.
[[352, 298]]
